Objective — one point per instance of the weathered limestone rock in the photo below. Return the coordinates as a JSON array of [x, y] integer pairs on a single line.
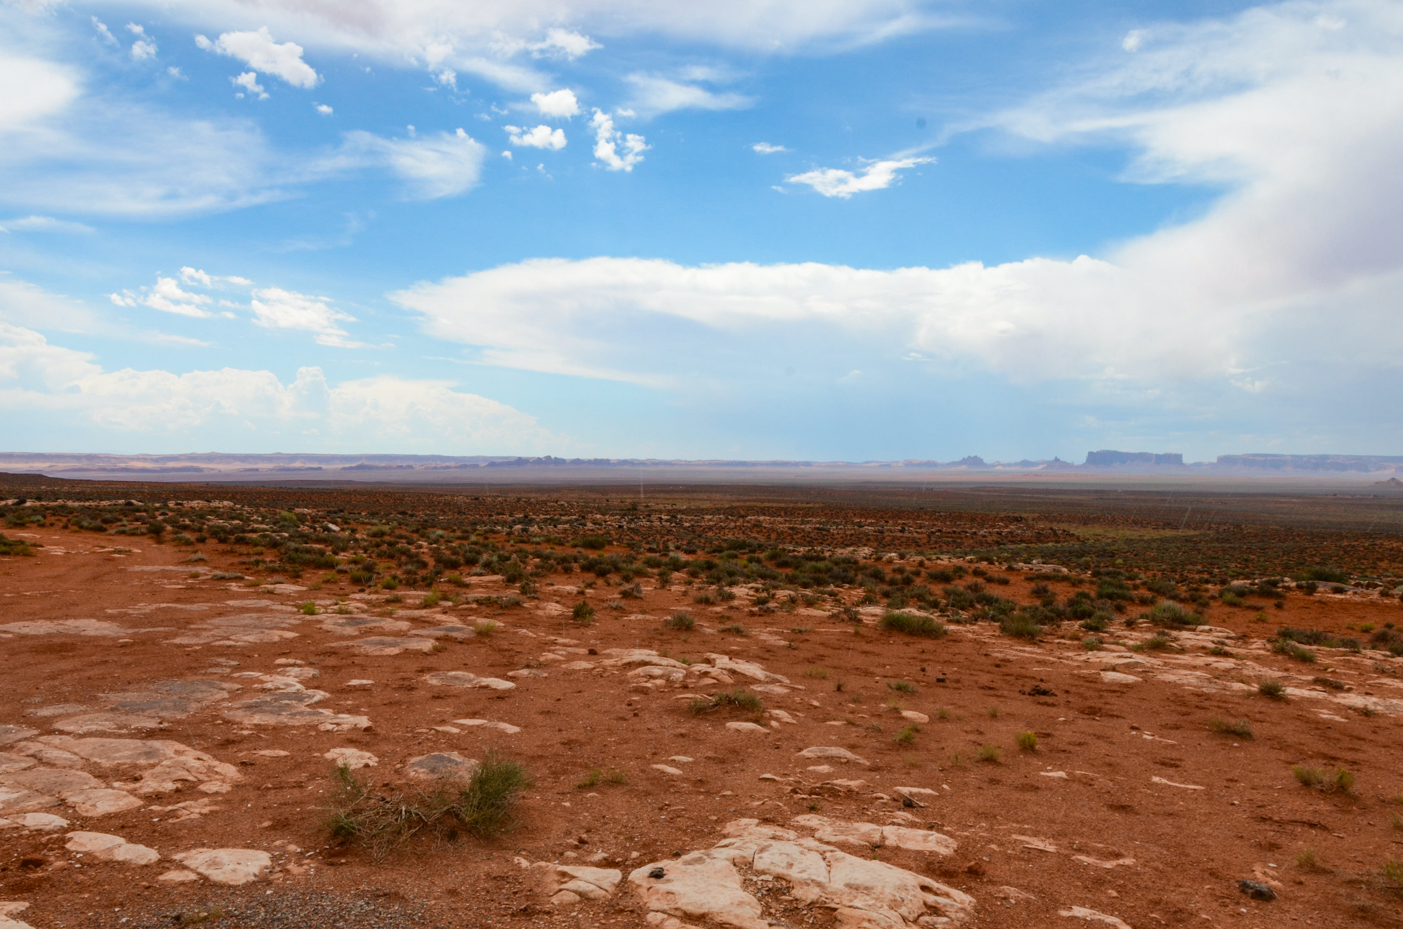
[[352, 758], [745, 668], [506, 728], [441, 765], [227, 865], [1081, 912], [387, 646], [11, 763], [100, 801], [746, 727], [464, 679], [703, 886], [293, 708], [106, 847], [832, 753], [36, 822]]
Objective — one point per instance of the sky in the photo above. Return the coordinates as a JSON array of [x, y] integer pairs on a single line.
[[762, 229]]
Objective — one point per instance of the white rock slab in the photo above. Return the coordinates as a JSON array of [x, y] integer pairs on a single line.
[[105, 847], [352, 758], [232, 866]]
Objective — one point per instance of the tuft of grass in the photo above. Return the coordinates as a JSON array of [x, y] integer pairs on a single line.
[[1020, 626], [485, 627], [1241, 729], [911, 624], [907, 735], [431, 599], [482, 807], [1091, 643], [734, 629], [1274, 689], [681, 620], [612, 777], [819, 673], [993, 712], [902, 687], [1391, 876], [1292, 649], [583, 613], [989, 754], [307, 609], [1341, 780], [1028, 741], [1307, 860], [728, 700], [1171, 614]]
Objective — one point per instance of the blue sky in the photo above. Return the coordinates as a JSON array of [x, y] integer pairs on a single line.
[[844, 229]]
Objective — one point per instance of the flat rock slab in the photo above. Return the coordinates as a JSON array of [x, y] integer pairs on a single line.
[[447, 632], [11, 734], [352, 758], [441, 766], [1081, 912], [703, 886], [107, 722], [35, 822], [464, 679], [56, 781], [106, 847], [227, 865], [94, 627], [7, 922], [747, 727], [101, 801], [11, 763], [355, 625], [293, 708], [507, 728], [387, 646], [832, 753], [23, 800]]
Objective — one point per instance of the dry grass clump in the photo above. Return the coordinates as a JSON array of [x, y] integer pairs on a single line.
[[681, 620], [596, 776], [1241, 729], [1273, 689], [482, 807], [912, 624], [1028, 741], [728, 700], [1319, 779]]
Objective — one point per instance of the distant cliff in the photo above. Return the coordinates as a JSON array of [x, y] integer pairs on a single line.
[[1112, 459]]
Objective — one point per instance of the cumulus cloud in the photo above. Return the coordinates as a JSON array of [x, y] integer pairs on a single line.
[[654, 95], [249, 82], [613, 149], [539, 137], [275, 308], [144, 47], [445, 164], [558, 104], [563, 43], [323, 109], [765, 148], [261, 53], [40, 379], [166, 296], [835, 182]]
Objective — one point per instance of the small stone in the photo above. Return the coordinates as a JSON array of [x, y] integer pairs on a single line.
[[746, 727], [1256, 890], [668, 770], [657, 874], [352, 758], [441, 765]]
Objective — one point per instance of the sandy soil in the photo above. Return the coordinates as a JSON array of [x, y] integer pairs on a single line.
[[1130, 806]]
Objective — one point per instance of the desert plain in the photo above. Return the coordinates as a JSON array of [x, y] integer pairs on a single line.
[[865, 707]]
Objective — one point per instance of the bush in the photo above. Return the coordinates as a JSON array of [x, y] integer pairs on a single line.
[[596, 776], [1240, 729], [1020, 626], [989, 754], [592, 542], [912, 624], [1028, 741], [907, 735], [903, 687], [680, 620], [734, 629], [583, 613], [1318, 637], [1292, 650], [1172, 615], [381, 822], [1274, 689], [1341, 780], [729, 700]]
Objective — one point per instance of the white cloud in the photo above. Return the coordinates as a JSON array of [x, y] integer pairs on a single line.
[[765, 148], [654, 95], [539, 137], [609, 141], [103, 31], [434, 166], [39, 378], [44, 224], [323, 109], [24, 304], [32, 90], [558, 104], [563, 43], [249, 82], [261, 53], [1133, 40], [167, 297], [144, 47], [275, 308], [835, 182]]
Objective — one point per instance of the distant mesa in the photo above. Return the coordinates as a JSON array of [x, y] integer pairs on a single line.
[[1113, 459], [1391, 486], [1311, 462]]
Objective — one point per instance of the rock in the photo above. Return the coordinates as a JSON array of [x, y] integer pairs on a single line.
[[1160, 780], [39, 822], [441, 766], [507, 728], [918, 840], [352, 758], [9, 734], [11, 907], [1115, 677], [703, 886], [1081, 912], [8, 923], [1098, 863], [21, 800], [831, 753], [591, 883], [57, 781], [668, 770], [293, 708], [840, 833], [746, 668], [915, 717], [1256, 890], [526, 672], [92, 627], [101, 802], [106, 847], [464, 679], [746, 727], [227, 865], [11, 763], [565, 898], [387, 645], [359, 683], [920, 794], [179, 876]]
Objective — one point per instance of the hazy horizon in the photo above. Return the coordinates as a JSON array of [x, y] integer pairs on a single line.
[[862, 230]]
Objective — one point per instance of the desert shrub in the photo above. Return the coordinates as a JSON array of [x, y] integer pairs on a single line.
[[1318, 637], [583, 613], [913, 624], [1096, 622], [1340, 780], [1091, 643], [596, 776], [381, 822], [728, 700], [904, 687], [1160, 641], [1241, 729], [1391, 876], [1273, 689], [485, 627], [1330, 683], [734, 629], [1292, 650], [1028, 741], [1020, 626], [681, 620], [989, 754], [907, 735], [1390, 640], [632, 592], [1170, 614], [592, 542], [1326, 575]]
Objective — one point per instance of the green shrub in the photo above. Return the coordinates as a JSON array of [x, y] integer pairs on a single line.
[[680, 620], [729, 700], [1241, 729], [1172, 615], [592, 542], [596, 776], [907, 735], [1020, 626], [1028, 741], [583, 613], [913, 624], [1274, 689], [1292, 650], [734, 629], [989, 754], [904, 687]]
